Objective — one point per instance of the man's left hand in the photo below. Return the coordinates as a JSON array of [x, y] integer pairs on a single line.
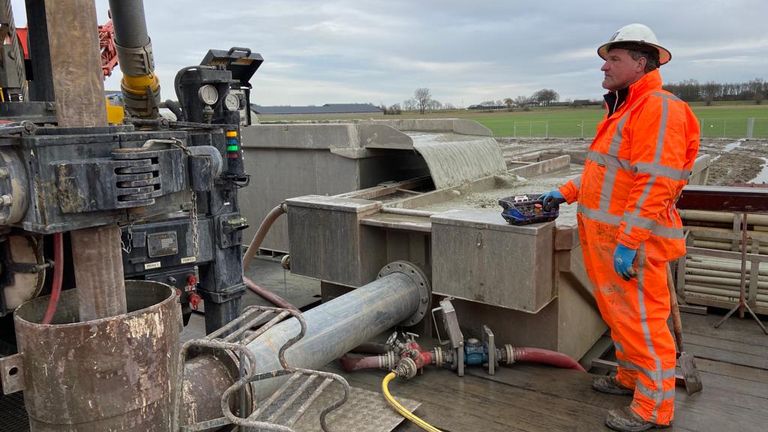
[[623, 258]]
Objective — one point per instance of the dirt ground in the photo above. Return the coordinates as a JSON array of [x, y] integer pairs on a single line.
[[735, 161]]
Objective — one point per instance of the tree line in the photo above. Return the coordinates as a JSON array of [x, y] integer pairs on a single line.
[[708, 92], [423, 102], [689, 90]]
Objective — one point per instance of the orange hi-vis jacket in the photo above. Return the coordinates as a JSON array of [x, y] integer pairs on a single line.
[[636, 168]]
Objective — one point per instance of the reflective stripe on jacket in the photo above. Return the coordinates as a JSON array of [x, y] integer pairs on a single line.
[[636, 167]]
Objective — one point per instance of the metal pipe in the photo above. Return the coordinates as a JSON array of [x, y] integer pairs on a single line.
[[406, 212], [723, 217], [736, 281], [130, 23], [722, 245], [140, 85], [114, 373], [695, 271], [333, 329], [725, 292], [719, 266]]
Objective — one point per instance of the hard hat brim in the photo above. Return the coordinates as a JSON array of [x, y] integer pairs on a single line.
[[664, 55]]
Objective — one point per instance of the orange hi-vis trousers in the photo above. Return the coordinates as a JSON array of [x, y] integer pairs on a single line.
[[636, 311]]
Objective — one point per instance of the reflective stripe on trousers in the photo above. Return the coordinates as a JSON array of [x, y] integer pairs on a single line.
[[636, 311]]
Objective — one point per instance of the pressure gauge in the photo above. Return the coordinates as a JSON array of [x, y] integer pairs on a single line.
[[232, 102], [208, 94]]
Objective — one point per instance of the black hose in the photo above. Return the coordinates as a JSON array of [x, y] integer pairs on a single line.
[[175, 108]]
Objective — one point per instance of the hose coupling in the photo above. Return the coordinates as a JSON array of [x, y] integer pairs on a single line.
[[406, 368]]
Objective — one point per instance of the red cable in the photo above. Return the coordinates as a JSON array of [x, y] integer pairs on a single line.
[[58, 272]]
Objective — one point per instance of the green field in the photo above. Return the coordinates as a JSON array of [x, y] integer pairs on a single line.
[[717, 121]]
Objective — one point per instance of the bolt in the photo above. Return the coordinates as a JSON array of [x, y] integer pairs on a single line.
[[6, 200], [4, 172]]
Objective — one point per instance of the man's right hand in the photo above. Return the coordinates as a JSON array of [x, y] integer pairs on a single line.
[[552, 199]]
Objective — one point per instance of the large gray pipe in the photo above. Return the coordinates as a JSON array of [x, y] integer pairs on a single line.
[[333, 329], [140, 86], [130, 23]]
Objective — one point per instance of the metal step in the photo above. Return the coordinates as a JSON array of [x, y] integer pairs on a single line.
[[283, 408]]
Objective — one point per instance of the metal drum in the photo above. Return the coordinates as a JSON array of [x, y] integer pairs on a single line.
[[109, 374]]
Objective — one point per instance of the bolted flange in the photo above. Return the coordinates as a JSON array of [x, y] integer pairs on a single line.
[[418, 277]]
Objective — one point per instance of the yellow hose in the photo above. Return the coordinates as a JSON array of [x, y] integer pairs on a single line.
[[401, 409]]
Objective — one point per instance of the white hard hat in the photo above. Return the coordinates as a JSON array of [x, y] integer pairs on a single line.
[[639, 33]]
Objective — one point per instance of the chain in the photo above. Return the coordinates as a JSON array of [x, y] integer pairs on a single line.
[[193, 222], [129, 247]]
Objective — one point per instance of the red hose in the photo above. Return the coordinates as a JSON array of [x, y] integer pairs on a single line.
[[58, 272], [268, 295], [544, 356], [353, 363]]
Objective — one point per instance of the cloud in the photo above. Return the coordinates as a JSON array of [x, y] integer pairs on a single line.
[[465, 52]]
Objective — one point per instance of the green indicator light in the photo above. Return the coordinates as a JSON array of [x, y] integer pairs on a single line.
[[233, 148]]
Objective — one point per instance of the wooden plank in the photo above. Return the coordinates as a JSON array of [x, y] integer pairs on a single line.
[[536, 398], [473, 403], [735, 330], [737, 348], [737, 372], [751, 360]]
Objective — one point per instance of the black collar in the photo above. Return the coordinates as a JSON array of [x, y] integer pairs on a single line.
[[614, 99]]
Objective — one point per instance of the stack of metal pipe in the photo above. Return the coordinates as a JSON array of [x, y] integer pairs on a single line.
[[716, 280]]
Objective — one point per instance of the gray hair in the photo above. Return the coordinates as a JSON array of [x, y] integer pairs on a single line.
[[637, 50]]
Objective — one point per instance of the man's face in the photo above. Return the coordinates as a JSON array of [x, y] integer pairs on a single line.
[[621, 69]]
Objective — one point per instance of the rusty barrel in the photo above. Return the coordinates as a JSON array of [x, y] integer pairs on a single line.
[[108, 374]]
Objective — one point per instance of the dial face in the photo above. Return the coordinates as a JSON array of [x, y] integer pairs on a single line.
[[208, 94], [232, 102]]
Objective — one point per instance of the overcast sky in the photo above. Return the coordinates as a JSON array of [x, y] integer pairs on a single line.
[[466, 52]]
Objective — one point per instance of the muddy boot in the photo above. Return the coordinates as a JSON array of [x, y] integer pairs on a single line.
[[625, 420], [608, 384]]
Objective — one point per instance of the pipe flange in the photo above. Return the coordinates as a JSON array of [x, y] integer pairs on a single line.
[[418, 277]]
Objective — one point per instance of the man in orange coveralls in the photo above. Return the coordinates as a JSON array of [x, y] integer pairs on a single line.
[[636, 167]]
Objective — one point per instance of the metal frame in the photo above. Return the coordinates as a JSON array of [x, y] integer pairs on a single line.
[[743, 304], [234, 338], [747, 288]]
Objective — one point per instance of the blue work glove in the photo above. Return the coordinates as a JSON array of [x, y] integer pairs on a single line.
[[552, 199], [623, 258]]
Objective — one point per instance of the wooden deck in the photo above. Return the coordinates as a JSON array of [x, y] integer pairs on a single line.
[[732, 360]]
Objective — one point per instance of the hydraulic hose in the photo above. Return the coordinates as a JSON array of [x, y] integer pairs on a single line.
[[351, 363], [545, 356], [253, 248], [268, 295], [401, 409], [58, 272], [261, 233]]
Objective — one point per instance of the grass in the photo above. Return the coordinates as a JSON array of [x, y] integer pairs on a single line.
[[726, 121]]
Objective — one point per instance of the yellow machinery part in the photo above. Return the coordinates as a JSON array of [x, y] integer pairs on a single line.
[[138, 84], [115, 113]]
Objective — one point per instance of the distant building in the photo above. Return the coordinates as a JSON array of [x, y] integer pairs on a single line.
[[323, 109], [487, 106], [585, 102]]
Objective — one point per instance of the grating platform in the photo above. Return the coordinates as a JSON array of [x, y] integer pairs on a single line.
[[13, 416], [365, 410]]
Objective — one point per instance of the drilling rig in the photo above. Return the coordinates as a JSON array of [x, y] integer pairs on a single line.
[[111, 234]]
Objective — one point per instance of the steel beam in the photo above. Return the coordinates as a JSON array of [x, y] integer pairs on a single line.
[[724, 199]]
